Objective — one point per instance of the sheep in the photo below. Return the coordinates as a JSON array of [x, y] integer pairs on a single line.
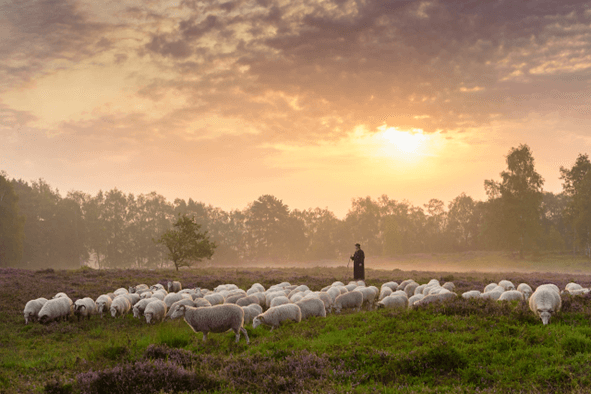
[[392, 285], [447, 295], [160, 294], [155, 311], [234, 298], [415, 298], [351, 286], [311, 307], [394, 301], [369, 296], [184, 301], [525, 289], [250, 312], [494, 293], [385, 292], [297, 297], [103, 304], [171, 298], [511, 295], [120, 291], [120, 306], [55, 309], [449, 286], [138, 289], [174, 286], [59, 295], [201, 302], [489, 287], [157, 286], [353, 300], [409, 289], [272, 294], [218, 318], [420, 289], [338, 283], [140, 306], [281, 300], [507, 285], [214, 299], [333, 292], [471, 294], [84, 307], [360, 283], [245, 301], [133, 298], [32, 309], [544, 302], [275, 316]]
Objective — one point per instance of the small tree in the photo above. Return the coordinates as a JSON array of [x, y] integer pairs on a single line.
[[185, 243]]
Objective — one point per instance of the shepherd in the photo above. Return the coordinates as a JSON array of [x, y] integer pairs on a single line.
[[358, 263]]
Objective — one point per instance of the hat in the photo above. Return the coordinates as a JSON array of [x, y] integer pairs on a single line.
[[358, 245]]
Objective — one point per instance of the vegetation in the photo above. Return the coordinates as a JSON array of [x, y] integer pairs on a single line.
[[185, 243], [462, 346]]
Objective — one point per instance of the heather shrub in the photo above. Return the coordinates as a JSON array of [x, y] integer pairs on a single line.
[[575, 343], [55, 386], [144, 377]]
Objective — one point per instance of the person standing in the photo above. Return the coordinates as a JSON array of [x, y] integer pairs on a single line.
[[358, 263]]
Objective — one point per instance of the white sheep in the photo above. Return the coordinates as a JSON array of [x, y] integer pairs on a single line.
[[214, 299], [184, 301], [133, 298], [369, 296], [428, 299], [174, 286], [489, 287], [525, 289], [507, 285], [218, 318], [392, 285], [275, 316], [410, 288], [103, 304], [245, 301], [120, 306], [394, 301], [353, 300], [138, 289], [157, 286], [84, 307], [338, 283], [333, 292], [311, 307], [250, 312], [511, 295], [121, 291], [420, 289], [59, 295], [140, 306], [171, 298], [201, 302], [155, 311], [544, 302], [415, 298], [449, 286], [281, 300], [471, 294], [32, 309], [494, 293], [385, 292], [55, 309]]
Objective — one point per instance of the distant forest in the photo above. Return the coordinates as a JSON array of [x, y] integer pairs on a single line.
[[40, 228]]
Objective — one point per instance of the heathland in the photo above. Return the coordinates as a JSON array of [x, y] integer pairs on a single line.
[[458, 346]]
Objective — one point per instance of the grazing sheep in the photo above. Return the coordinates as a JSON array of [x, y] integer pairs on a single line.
[[410, 288], [84, 307], [201, 302], [428, 299], [55, 309], [420, 289], [171, 298], [120, 291], [544, 302], [333, 292], [155, 311], [138, 289], [174, 286], [140, 306], [511, 295], [59, 295], [471, 294], [385, 292], [271, 295], [281, 300], [414, 299], [275, 316], [245, 301], [449, 286], [157, 286], [507, 285], [218, 318], [311, 307], [338, 283], [184, 301], [494, 293], [392, 285], [103, 304], [234, 298], [32, 309], [214, 299], [352, 300], [489, 287], [250, 312], [525, 289], [369, 296], [133, 298], [351, 286], [394, 301], [120, 306]]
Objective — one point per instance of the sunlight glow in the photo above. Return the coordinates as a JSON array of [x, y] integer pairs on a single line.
[[404, 141]]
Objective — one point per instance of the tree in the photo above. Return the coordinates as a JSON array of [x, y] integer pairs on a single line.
[[576, 185], [185, 243], [11, 225], [520, 195], [461, 224]]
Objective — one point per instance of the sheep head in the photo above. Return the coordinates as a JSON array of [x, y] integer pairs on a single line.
[[545, 315], [178, 312], [257, 321]]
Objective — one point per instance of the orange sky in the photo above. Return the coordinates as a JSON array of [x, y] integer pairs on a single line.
[[315, 102]]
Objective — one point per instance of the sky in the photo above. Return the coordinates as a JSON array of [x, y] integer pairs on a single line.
[[315, 102]]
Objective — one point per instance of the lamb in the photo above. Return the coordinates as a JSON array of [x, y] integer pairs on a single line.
[[275, 316], [140, 306], [511, 295], [471, 294], [281, 300], [250, 312], [103, 304], [544, 302], [311, 307], [352, 300], [155, 311], [55, 309], [32, 309], [84, 307], [174, 286], [120, 306], [525, 289], [394, 301], [218, 318]]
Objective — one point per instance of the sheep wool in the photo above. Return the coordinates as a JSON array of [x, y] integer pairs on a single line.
[[245, 301], [174, 286], [511, 295], [174, 307], [84, 307], [250, 312], [155, 311], [525, 289], [32, 309], [311, 307], [507, 285], [214, 299], [140, 306], [415, 298], [489, 287], [120, 306], [103, 304], [369, 296], [471, 294], [352, 300], [394, 301], [171, 298], [216, 319], [281, 300], [55, 309], [275, 316], [544, 302]]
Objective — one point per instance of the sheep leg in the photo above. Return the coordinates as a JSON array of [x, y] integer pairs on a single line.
[[245, 334], [204, 337]]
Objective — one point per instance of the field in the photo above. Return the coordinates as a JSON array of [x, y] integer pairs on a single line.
[[459, 347]]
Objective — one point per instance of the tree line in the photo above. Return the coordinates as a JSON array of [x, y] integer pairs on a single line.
[[40, 228]]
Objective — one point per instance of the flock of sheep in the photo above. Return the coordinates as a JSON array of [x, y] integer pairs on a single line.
[[228, 307]]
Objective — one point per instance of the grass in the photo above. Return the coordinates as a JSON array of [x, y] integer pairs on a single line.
[[462, 346]]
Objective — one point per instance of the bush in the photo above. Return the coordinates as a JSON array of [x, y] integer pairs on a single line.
[[573, 344]]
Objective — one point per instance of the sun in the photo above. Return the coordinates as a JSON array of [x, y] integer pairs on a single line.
[[404, 141]]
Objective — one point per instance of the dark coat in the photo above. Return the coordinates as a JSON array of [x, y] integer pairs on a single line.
[[358, 265]]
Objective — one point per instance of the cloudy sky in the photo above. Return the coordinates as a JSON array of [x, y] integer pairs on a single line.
[[313, 101]]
